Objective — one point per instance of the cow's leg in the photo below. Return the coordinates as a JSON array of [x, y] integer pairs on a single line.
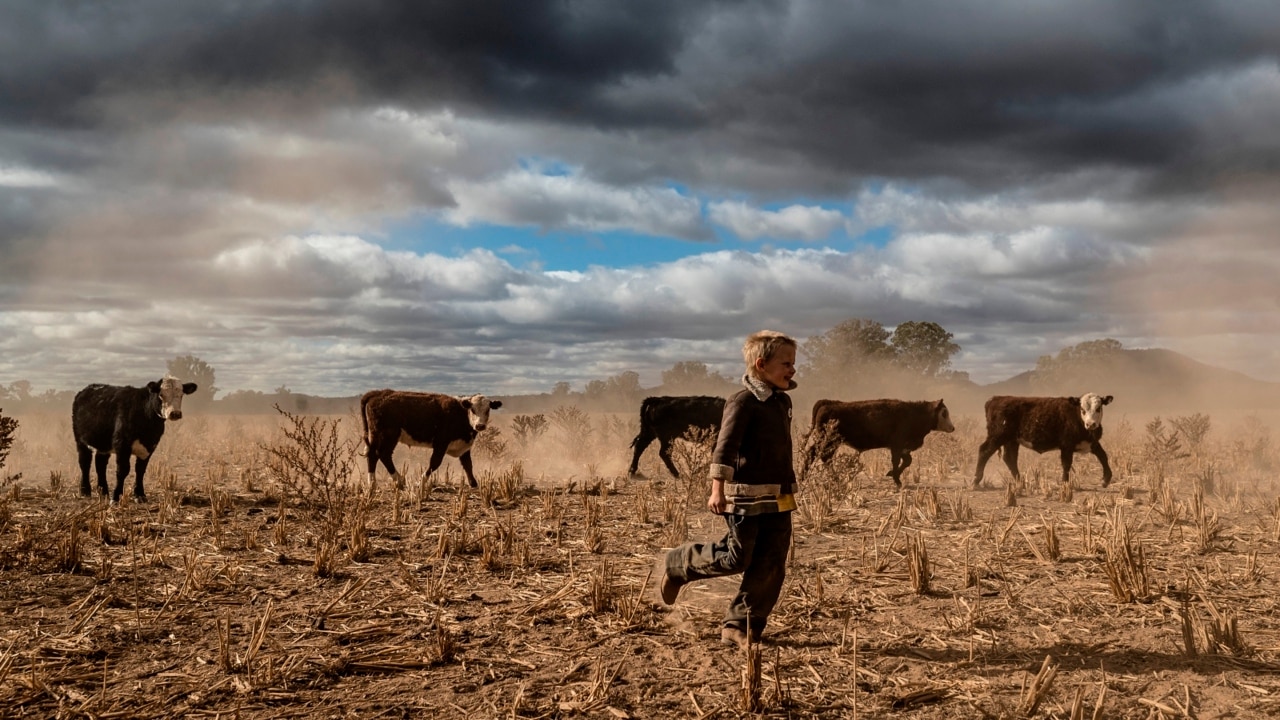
[[641, 443], [1067, 454], [437, 457], [664, 452], [84, 454], [905, 457], [895, 472], [385, 450], [122, 472], [1101, 454], [985, 451], [465, 460], [100, 459], [371, 455], [1010, 455], [139, 469]]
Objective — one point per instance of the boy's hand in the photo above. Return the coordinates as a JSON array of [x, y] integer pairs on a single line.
[[716, 502]]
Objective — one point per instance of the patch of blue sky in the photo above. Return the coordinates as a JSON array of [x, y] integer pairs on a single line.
[[535, 248]]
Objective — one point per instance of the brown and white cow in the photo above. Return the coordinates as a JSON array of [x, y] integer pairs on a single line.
[[1066, 424], [445, 423], [899, 425]]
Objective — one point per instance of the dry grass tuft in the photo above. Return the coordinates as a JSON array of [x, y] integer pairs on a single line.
[[918, 565], [1126, 565]]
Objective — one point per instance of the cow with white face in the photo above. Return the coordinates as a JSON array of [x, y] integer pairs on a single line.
[[1066, 424], [124, 421], [446, 424]]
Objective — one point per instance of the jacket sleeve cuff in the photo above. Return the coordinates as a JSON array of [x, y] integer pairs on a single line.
[[721, 472]]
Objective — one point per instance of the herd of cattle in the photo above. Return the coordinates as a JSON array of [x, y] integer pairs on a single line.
[[129, 421]]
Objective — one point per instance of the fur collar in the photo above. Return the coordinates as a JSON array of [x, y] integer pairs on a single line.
[[761, 389]]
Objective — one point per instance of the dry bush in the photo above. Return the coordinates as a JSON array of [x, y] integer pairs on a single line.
[[8, 426], [574, 428], [1251, 445], [528, 428], [691, 453], [490, 445], [313, 464]]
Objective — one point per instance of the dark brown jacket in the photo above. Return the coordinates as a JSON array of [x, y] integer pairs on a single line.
[[753, 452]]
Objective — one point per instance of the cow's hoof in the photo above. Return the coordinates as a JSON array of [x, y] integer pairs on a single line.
[[139, 497], [86, 492], [1106, 482]]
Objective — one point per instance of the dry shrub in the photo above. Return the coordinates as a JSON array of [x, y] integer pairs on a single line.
[[8, 426], [313, 464], [528, 428], [490, 445], [691, 454], [574, 427]]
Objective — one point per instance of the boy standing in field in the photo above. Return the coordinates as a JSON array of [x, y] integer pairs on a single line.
[[752, 481]]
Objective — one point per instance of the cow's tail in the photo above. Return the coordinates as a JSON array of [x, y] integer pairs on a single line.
[[364, 425], [646, 418]]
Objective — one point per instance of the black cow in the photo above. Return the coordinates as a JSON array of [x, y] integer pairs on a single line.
[[666, 418], [446, 423], [899, 425], [1065, 424], [125, 421]]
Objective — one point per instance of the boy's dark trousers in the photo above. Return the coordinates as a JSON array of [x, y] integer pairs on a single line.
[[756, 546]]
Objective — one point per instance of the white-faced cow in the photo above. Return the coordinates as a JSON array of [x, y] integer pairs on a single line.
[[665, 418], [1066, 424], [126, 421], [899, 425], [445, 423]]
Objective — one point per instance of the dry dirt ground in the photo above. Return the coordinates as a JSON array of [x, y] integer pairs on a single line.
[[234, 593]]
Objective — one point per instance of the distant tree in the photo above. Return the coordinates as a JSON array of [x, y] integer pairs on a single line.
[[190, 368], [922, 348], [561, 390], [690, 377], [846, 352], [1073, 364], [20, 390]]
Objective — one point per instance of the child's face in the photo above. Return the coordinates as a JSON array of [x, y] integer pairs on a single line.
[[777, 370]]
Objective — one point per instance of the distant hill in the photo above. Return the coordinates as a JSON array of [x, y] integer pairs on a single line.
[[1155, 381]]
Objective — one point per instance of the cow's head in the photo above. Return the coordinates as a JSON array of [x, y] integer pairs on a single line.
[[478, 407], [942, 418], [1090, 405], [170, 392]]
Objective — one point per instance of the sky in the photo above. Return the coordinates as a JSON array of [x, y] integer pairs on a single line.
[[496, 196]]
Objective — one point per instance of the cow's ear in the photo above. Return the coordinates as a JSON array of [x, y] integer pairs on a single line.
[[154, 386], [188, 388], [1107, 400], [1074, 401], [494, 405], [466, 402]]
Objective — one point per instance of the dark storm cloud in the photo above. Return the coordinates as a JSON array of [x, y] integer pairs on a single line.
[[62, 58], [986, 93]]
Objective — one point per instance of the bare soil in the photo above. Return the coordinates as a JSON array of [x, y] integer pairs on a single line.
[[532, 596]]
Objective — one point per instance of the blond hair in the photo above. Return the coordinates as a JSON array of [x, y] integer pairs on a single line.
[[763, 345]]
